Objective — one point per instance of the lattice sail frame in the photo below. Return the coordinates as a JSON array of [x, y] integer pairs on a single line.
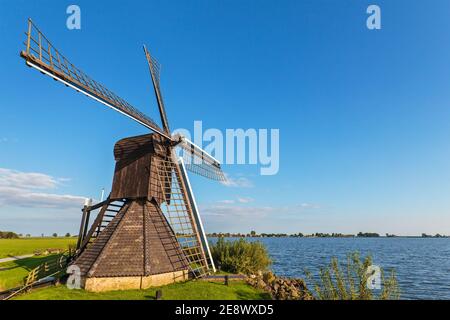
[[179, 213], [43, 56], [40, 54], [202, 168], [197, 160]]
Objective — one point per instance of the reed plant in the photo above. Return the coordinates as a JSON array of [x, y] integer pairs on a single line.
[[349, 281]]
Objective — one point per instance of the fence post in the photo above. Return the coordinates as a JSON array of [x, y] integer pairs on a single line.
[[84, 222]]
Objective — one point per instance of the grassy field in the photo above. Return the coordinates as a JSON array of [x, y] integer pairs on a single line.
[[12, 273], [17, 247], [191, 290]]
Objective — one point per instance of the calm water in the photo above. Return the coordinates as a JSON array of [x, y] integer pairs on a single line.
[[422, 265]]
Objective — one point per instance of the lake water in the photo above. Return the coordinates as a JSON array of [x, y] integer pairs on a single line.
[[422, 265]]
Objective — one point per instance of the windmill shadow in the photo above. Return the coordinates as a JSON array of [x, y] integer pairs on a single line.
[[28, 263]]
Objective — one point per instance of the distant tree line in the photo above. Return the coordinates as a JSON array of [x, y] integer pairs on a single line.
[[437, 235], [367, 235], [13, 235], [253, 234], [8, 235]]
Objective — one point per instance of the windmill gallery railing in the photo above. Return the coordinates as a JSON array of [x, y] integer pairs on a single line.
[[41, 54]]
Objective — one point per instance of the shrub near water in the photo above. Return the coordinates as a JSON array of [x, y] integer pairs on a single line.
[[240, 256], [350, 282]]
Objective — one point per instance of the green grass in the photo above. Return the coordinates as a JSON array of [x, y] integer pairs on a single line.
[[191, 290], [17, 247], [13, 273]]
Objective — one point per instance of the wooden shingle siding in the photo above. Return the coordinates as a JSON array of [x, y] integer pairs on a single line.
[[89, 256], [138, 242], [135, 174], [163, 250], [123, 254]]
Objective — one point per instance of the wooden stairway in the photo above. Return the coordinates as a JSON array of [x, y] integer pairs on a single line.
[[109, 209]]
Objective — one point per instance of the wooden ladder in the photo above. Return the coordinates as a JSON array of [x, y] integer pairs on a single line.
[[109, 210]]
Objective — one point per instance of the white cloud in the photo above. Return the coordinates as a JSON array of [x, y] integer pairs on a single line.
[[241, 217], [238, 182], [26, 189], [309, 206], [245, 199], [226, 201], [25, 180], [238, 199], [229, 208]]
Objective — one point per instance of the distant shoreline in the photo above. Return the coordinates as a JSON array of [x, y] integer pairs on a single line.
[[257, 237], [354, 237], [253, 234], [324, 235]]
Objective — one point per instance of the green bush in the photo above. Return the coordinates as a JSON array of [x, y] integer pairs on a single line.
[[350, 282], [240, 256]]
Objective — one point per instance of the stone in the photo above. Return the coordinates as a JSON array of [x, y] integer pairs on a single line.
[[276, 286], [129, 283], [261, 284], [280, 288], [268, 277]]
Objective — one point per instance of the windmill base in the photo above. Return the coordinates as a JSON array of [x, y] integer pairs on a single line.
[[130, 283]]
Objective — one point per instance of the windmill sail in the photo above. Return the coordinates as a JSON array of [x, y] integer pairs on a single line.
[[155, 71], [148, 232], [42, 55], [180, 214], [196, 215], [198, 161]]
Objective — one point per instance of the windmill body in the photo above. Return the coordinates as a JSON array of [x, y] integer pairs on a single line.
[[148, 231]]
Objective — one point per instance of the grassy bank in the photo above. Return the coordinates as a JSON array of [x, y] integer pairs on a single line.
[[191, 290], [12, 273], [17, 247]]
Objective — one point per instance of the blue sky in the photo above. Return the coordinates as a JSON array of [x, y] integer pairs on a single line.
[[363, 115]]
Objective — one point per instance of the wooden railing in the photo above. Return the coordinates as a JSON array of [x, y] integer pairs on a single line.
[[48, 268], [53, 267]]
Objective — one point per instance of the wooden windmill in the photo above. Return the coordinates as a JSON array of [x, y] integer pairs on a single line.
[[148, 231]]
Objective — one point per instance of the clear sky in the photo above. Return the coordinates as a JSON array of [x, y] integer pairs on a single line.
[[363, 114]]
